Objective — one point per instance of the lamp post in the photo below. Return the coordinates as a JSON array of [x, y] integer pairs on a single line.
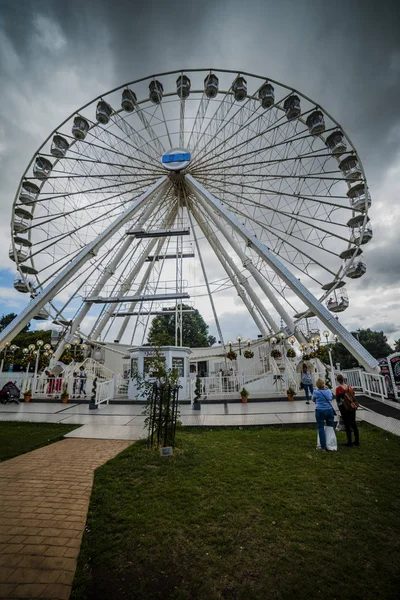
[[239, 339], [4, 350], [326, 336], [13, 348], [39, 345]]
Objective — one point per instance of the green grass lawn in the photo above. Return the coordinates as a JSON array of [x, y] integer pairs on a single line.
[[17, 438], [245, 514]]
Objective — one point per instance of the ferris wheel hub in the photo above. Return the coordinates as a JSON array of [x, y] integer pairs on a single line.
[[176, 159]]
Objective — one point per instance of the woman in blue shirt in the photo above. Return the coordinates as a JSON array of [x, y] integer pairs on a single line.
[[323, 410], [306, 380]]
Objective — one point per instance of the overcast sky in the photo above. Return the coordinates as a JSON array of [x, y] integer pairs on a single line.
[[55, 56]]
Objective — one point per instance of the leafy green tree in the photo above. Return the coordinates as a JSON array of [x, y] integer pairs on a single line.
[[6, 320], [194, 330], [397, 345], [23, 340], [374, 341]]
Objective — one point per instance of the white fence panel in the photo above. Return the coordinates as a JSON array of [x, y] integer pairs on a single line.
[[105, 391], [353, 378], [373, 384]]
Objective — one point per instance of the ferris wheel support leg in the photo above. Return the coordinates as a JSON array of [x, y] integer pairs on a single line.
[[113, 308], [237, 278], [108, 271], [246, 261], [89, 250], [349, 341]]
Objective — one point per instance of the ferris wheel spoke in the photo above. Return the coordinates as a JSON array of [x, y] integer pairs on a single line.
[[198, 121], [155, 147], [270, 192], [82, 147], [271, 128], [98, 162]]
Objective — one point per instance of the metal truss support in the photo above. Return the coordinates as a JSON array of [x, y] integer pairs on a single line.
[[217, 209], [136, 270], [247, 263], [242, 286], [206, 279], [108, 272]]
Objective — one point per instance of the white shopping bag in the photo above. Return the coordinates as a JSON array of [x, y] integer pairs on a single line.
[[331, 441], [340, 425]]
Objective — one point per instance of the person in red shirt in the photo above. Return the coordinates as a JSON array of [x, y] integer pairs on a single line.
[[348, 415]]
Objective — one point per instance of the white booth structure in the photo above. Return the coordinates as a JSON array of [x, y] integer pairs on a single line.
[[175, 358]]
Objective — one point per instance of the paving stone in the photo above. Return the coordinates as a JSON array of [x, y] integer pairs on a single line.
[[39, 546]]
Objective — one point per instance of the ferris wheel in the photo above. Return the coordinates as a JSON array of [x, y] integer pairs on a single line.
[[190, 184]]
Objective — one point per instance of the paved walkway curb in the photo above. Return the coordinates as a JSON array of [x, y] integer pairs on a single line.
[[44, 498]]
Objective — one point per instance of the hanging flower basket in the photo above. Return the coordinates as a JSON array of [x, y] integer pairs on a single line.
[[248, 354], [276, 354], [231, 355], [291, 353]]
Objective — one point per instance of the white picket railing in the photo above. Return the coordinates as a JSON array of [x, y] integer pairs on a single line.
[[105, 391], [353, 378], [373, 384]]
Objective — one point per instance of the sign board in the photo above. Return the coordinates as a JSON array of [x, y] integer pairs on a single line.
[[175, 159], [394, 372], [166, 451], [384, 368]]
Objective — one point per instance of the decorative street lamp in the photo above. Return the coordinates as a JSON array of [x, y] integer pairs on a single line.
[[239, 339], [39, 345], [329, 346]]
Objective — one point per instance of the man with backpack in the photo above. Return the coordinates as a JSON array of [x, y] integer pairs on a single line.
[[347, 404]]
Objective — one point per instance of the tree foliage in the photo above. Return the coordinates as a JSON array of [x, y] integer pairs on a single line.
[[374, 341], [397, 345], [194, 330], [23, 339]]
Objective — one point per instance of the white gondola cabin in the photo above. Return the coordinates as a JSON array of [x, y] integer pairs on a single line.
[[336, 142], [21, 254], [316, 122], [103, 112], [292, 107], [239, 88], [80, 128], [364, 237], [350, 167], [266, 95], [211, 85], [156, 91], [42, 167], [21, 241], [59, 146], [356, 270], [360, 199], [129, 100], [23, 285], [42, 315], [29, 193], [338, 302], [183, 86], [22, 219], [28, 269]]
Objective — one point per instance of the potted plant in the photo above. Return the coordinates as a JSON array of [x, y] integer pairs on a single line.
[[64, 395], [197, 394], [244, 394], [291, 392], [291, 353], [27, 395], [231, 355], [275, 353], [248, 354]]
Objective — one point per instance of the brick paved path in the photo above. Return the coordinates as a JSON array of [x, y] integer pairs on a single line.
[[44, 497]]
